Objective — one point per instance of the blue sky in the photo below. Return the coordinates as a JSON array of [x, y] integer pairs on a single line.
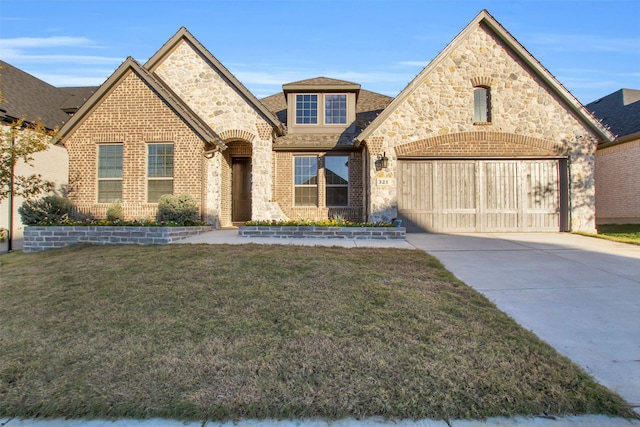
[[591, 46]]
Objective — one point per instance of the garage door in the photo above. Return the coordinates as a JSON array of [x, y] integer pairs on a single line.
[[479, 195]]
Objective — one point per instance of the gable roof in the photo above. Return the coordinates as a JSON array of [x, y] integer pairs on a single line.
[[323, 83], [184, 34], [26, 96], [619, 110], [182, 110], [499, 31]]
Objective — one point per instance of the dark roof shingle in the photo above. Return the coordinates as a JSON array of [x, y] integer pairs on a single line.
[[620, 111], [25, 96]]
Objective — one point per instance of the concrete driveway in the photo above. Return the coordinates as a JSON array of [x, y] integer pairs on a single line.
[[579, 294]]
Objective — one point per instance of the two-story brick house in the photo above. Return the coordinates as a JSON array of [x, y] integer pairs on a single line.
[[483, 139]]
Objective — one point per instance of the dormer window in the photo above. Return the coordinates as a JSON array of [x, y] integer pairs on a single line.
[[307, 109], [321, 106], [481, 105], [335, 109]]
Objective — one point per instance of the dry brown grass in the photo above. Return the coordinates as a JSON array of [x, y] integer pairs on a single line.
[[221, 332]]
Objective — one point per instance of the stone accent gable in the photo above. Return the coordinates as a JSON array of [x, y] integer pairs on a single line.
[[206, 92], [132, 114], [443, 103], [524, 110]]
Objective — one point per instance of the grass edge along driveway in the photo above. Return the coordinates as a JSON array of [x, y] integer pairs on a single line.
[[250, 331]]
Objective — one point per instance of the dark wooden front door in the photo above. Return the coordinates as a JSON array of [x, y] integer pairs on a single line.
[[241, 189]]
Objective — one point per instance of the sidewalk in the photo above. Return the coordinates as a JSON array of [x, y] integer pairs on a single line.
[[584, 421]]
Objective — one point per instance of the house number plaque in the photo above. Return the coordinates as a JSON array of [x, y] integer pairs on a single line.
[[383, 181]]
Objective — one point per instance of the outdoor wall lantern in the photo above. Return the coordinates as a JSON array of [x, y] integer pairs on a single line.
[[383, 160]]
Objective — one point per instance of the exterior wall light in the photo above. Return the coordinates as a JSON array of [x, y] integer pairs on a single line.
[[383, 160]]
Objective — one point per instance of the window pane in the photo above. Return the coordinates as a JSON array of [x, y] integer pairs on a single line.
[[160, 161], [110, 161], [157, 188], [337, 169], [481, 104], [306, 196], [307, 109], [337, 196], [109, 190], [335, 109], [306, 181], [306, 170]]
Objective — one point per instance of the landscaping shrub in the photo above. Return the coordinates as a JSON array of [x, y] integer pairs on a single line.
[[114, 211], [48, 210], [181, 209]]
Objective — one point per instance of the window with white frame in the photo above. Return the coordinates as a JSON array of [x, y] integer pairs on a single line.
[[336, 172], [109, 173], [481, 104], [159, 171], [335, 109], [306, 181], [306, 109]]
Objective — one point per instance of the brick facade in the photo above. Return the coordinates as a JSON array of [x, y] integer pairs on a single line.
[[284, 190], [618, 184], [134, 116]]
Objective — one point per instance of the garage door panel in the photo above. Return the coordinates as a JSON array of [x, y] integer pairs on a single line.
[[479, 195]]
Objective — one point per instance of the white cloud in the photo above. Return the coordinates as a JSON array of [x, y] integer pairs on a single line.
[[421, 64], [61, 80], [35, 42], [21, 50]]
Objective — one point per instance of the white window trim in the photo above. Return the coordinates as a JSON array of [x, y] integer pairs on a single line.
[[163, 178], [98, 179], [316, 185]]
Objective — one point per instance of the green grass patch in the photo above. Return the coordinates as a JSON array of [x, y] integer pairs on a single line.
[[252, 331], [625, 233]]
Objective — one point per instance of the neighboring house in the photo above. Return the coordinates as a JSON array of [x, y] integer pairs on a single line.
[[26, 97], [617, 172], [483, 139]]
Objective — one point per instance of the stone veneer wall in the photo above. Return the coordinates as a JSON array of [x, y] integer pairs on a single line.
[[40, 238], [232, 117], [290, 232], [618, 184], [443, 104], [132, 115]]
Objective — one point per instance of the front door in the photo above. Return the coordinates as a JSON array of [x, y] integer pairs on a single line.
[[241, 189]]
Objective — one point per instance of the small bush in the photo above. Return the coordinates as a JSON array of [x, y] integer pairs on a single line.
[[48, 210], [181, 209], [114, 211]]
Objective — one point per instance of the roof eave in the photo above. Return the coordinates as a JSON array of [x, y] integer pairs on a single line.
[[201, 129]]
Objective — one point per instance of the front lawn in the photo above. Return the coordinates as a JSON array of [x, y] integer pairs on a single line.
[[253, 331], [627, 233]]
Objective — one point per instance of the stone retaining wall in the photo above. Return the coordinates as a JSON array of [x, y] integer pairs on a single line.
[[382, 233], [40, 238]]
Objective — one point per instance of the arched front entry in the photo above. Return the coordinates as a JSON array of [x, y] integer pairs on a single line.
[[240, 189], [237, 183]]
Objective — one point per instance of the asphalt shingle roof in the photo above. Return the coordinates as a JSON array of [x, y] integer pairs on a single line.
[[368, 106], [25, 96], [620, 111]]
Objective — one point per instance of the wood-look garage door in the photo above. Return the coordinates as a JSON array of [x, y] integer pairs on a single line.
[[479, 195]]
